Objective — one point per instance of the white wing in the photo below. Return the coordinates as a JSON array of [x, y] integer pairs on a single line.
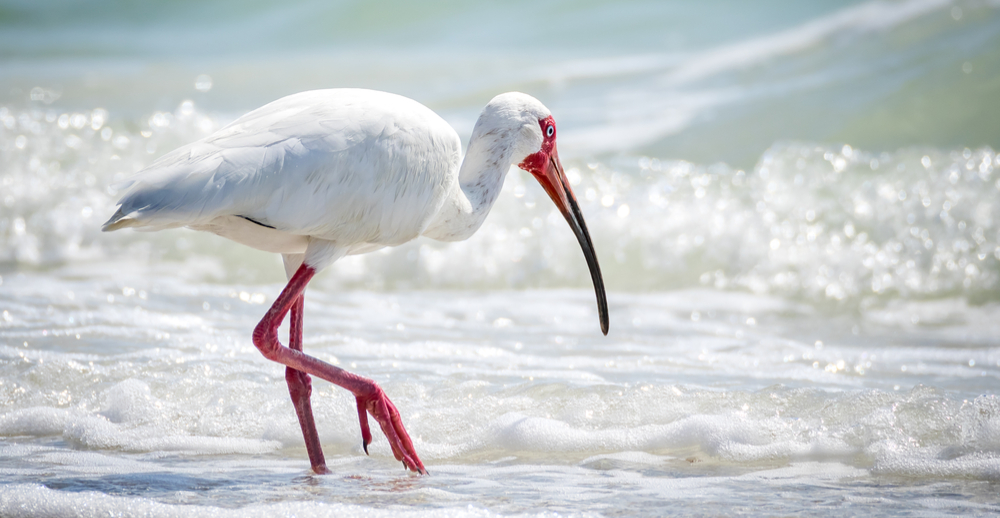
[[353, 166]]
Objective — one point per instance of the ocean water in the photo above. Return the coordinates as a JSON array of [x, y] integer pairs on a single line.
[[796, 207]]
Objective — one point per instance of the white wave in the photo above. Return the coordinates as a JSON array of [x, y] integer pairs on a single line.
[[821, 222], [33, 500], [89, 431], [868, 17], [665, 101]]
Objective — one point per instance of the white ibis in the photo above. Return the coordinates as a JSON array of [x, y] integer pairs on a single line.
[[322, 174]]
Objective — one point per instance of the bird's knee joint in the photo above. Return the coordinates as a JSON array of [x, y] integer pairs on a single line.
[[266, 342]]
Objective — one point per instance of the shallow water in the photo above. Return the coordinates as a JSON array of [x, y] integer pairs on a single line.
[[703, 400], [796, 210]]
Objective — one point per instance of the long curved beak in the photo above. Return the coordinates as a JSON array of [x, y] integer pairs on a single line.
[[553, 180]]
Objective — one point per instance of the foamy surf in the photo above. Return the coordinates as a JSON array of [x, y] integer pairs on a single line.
[[822, 223], [700, 376]]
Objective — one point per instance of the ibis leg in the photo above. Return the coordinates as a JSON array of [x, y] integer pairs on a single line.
[[300, 388], [369, 396]]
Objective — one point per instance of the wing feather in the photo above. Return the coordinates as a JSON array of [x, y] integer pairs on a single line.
[[347, 165]]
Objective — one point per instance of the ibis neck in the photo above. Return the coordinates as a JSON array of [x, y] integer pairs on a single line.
[[480, 179], [483, 171]]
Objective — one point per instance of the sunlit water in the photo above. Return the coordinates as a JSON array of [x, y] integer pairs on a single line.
[[803, 270]]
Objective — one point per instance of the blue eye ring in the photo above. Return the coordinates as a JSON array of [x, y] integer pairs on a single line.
[[550, 130]]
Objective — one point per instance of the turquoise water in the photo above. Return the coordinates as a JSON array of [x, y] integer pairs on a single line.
[[795, 206], [701, 81]]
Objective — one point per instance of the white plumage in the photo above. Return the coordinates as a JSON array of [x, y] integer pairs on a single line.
[[363, 168], [327, 173]]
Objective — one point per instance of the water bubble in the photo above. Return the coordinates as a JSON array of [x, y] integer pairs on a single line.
[[502, 322], [44, 95], [205, 125], [19, 226], [573, 175], [78, 120], [160, 120], [203, 83], [186, 108], [97, 118]]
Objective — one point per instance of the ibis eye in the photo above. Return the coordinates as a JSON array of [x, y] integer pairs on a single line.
[[549, 131]]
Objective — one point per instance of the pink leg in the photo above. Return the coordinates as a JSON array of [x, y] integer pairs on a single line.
[[300, 388], [370, 397]]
